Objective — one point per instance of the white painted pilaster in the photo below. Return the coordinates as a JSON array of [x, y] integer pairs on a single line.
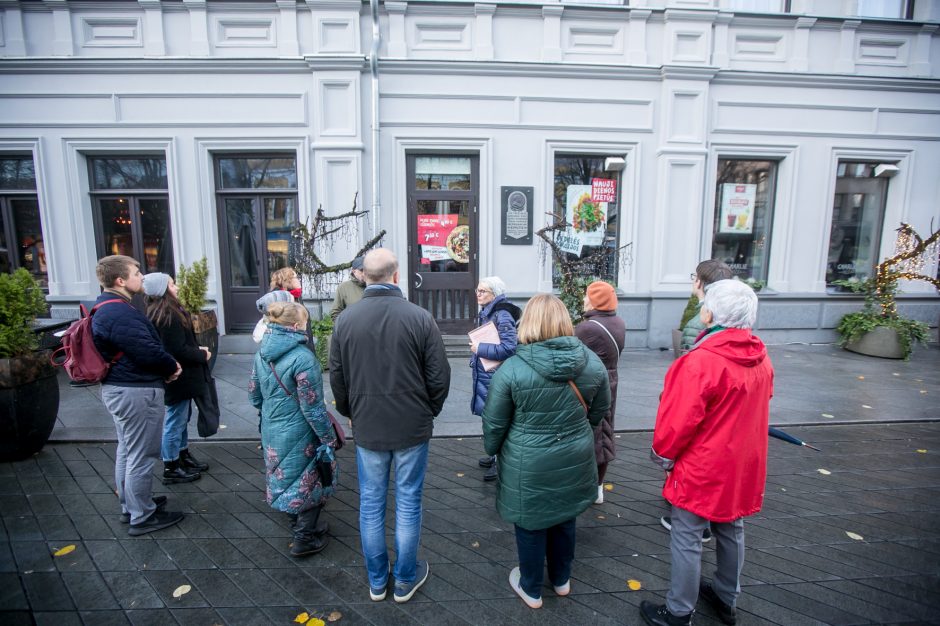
[[397, 46], [920, 64], [198, 27], [62, 41], [484, 31], [287, 28], [845, 63], [799, 62], [636, 52], [154, 43], [551, 42]]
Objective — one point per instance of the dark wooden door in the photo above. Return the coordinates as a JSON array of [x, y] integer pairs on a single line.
[[443, 209]]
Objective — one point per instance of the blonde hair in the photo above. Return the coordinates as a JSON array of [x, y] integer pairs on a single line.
[[545, 317], [287, 314], [282, 277]]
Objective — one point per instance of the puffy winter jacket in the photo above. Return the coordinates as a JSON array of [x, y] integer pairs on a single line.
[[119, 327], [692, 329], [535, 423], [504, 315], [292, 426], [598, 339]]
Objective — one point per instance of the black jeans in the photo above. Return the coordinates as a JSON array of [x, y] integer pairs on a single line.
[[555, 543]]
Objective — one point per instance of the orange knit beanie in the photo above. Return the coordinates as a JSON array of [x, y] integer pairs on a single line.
[[602, 296]]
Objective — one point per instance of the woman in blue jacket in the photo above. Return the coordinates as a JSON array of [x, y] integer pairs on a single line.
[[297, 436], [494, 307]]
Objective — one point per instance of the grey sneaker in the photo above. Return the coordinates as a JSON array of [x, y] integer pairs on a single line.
[[404, 591]]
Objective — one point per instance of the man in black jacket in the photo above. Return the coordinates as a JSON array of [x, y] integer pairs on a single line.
[[133, 391], [390, 375]]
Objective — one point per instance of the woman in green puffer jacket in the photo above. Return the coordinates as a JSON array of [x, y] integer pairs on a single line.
[[297, 436], [542, 431]]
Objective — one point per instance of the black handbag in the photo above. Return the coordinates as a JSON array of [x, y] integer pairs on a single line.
[[207, 404]]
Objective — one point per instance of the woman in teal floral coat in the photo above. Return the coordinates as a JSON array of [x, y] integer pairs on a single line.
[[296, 434]]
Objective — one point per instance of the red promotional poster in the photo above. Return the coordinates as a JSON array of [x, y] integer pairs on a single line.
[[435, 235], [603, 190]]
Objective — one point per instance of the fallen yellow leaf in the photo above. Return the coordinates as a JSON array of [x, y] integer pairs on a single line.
[[458, 439], [827, 415], [222, 426], [459, 474], [634, 585], [824, 472], [861, 378], [608, 487], [895, 374], [601, 517], [316, 621], [865, 406], [302, 618], [923, 391], [475, 544], [63, 551], [854, 536], [922, 451], [334, 616], [181, 591]]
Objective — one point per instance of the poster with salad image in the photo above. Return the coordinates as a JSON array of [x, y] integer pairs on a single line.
[[588, 217], [737, 209]]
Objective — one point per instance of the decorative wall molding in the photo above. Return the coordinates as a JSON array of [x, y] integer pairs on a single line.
[[336, 34], [111, 32], [593, 38], [338, 107], [244, 32]]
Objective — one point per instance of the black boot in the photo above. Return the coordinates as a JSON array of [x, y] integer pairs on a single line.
[[191, 463], [174, 472], [493, 472], [660, 616], [307, 540]]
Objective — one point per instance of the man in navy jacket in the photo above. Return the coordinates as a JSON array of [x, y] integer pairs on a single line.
[[133, 391]]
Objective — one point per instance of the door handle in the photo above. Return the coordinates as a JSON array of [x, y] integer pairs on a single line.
[[420, 281]]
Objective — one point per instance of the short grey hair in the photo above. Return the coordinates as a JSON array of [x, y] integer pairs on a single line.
[[733, 304], [494, 284]]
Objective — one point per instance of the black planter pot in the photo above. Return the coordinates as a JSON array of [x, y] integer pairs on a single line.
[[206, 327], [29, 404]]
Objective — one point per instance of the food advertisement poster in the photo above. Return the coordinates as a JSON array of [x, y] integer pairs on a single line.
[[442, 239], [737, 208], [588, 217]]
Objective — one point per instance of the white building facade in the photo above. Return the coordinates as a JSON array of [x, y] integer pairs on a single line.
[[789, 139]]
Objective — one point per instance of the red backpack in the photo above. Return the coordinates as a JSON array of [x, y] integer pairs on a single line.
[[82, 361]]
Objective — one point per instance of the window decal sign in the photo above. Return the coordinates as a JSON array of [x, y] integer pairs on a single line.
[[433, 231], [737, 208], [603, 190]]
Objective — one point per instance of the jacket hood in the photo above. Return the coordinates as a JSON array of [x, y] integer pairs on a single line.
[[279, 341], [558, 359], [737, 345]]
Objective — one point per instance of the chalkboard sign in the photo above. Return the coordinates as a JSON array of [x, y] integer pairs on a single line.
[[516, 216]]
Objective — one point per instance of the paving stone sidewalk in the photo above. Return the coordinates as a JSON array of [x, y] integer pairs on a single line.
[[880, 482]]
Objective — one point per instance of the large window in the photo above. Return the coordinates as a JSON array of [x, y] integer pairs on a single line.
[[587, 196], [857, 221], [132, 209], [21, 243], [744, 208]]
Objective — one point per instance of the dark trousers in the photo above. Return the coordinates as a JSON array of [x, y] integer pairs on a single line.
[[556, 544]]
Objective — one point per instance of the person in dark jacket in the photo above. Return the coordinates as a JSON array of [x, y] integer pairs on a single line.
[[495, 308], [297, 436], [350, 291], [133, 391], [538, 418], [711, 439], [605, 334], [390, 376], [176, 332]]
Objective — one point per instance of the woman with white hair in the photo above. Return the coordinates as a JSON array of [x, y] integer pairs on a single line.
[[495, 308], [711, 439]]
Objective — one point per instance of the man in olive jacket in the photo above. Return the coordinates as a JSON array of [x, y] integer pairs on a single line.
[[389, 374]]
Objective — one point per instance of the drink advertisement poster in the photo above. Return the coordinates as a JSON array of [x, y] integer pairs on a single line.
[[587, 216], [433, 232], [737, 209]]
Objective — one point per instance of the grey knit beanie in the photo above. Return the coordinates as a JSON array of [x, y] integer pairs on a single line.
[[155, 284]]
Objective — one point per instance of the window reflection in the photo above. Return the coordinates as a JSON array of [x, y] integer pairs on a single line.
[[257, 173], [857, 220]]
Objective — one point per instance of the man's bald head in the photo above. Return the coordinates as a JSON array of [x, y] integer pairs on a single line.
[[380, 266]]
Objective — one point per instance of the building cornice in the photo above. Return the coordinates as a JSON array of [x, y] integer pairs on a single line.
[[834, 81], [521, 69], [57, 65]]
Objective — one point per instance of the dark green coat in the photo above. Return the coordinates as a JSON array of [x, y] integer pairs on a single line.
[[535, 423]]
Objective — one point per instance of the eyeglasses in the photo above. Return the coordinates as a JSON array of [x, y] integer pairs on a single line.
[[480, 292], [693, 276]]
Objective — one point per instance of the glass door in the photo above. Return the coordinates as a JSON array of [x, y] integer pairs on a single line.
[[443, 200]]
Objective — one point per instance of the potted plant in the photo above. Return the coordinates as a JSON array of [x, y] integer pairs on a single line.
[[29, 390], [193, 284], [322, 331], [878, 330]]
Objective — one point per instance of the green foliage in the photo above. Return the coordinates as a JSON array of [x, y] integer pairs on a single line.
[[21, 302], [321, 330], [691, 310], [879, 310], [193, 284], [571, 290]]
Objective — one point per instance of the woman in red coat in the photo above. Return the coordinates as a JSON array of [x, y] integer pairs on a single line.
[[711, 438]]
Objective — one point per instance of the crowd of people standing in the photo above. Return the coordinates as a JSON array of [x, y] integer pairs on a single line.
[[545, 391]]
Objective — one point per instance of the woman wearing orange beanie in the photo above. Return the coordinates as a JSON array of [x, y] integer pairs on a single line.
[[605, 334]]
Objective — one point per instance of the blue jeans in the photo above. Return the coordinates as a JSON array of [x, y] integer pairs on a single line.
[[374, 466], [175, 432], [555, 543]]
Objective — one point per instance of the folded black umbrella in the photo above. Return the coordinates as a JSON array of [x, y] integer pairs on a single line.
[[779, 434], [207, 403]]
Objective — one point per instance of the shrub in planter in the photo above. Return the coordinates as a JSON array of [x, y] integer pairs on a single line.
[[29, 391], [193, 284], [880, 311]]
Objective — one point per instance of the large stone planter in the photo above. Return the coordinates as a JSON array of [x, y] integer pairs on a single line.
[[881, 342], [206, 327], [29, 404]]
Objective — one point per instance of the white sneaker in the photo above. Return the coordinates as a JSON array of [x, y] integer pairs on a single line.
[[600, 495], [532, 603], [563, 590]]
